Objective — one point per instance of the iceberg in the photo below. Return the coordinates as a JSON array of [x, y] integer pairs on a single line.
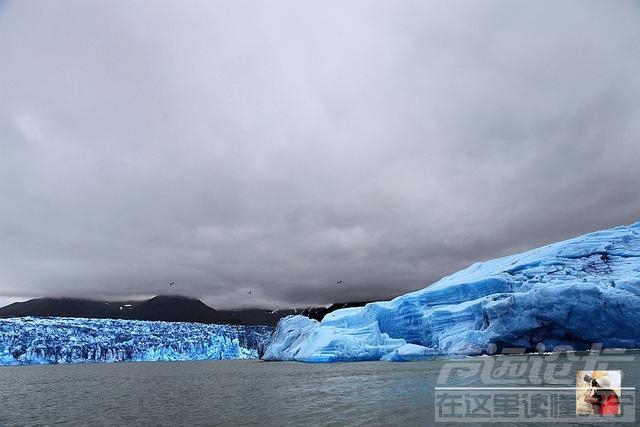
[[573, 293], [30, 340], [291, 331], [299, 338]]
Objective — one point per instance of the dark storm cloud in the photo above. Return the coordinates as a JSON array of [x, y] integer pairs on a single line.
[[282, 147]]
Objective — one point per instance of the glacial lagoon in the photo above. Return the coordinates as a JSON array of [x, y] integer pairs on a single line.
[[244, 392]]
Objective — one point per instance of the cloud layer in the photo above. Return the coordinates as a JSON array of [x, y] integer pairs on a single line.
[[229, 146]]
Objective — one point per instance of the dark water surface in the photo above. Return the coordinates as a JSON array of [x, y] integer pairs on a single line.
[[226, 393]]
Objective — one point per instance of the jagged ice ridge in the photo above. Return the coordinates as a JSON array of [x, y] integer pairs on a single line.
[[31, 340], [573, 293]]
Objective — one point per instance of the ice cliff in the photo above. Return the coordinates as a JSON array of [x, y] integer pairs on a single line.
[[576, 292], [30, 340]]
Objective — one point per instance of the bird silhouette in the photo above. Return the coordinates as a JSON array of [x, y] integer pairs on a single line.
[[339, 282], [249, 292], [171, 283]]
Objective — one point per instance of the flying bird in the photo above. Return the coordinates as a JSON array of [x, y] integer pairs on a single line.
[[249, 292], [171, 283], [339, 282]]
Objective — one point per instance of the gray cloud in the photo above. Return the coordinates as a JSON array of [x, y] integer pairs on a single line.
[[282, 147]]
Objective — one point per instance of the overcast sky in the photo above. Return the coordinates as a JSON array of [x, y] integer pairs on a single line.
[[283, 146]]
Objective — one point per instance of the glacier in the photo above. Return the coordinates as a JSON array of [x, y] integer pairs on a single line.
[[31, 340], [572, 293]]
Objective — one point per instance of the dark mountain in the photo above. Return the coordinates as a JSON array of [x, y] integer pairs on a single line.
[[171, 309], [65, 307], [166, 308]]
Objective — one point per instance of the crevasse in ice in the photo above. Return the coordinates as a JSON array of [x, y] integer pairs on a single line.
[[573, 293], [31, 340]]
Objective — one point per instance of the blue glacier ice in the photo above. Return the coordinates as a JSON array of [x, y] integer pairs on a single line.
[[291, 331], [30, 340], [573, 293], [300, 338]]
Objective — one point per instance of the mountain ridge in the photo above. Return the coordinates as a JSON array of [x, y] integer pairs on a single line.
[[169, 308]]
